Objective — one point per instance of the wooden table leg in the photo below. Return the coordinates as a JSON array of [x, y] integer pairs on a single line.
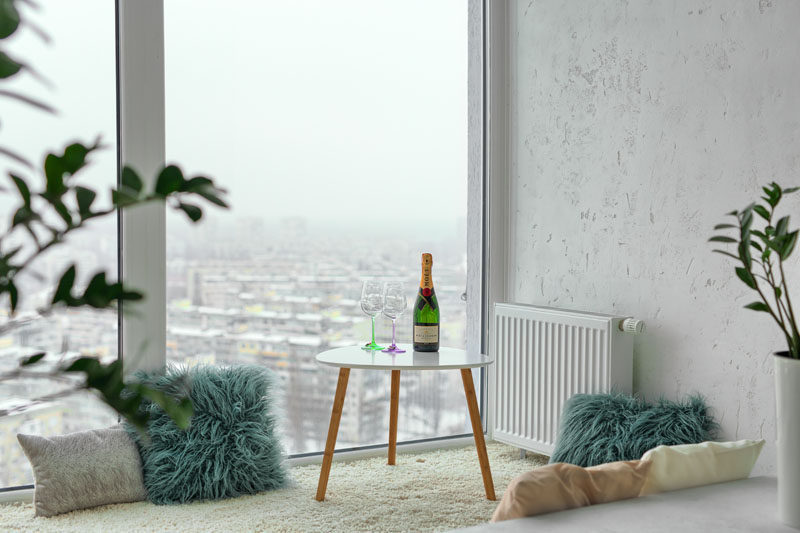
[[333, 430], [477, 431], [394, 405]]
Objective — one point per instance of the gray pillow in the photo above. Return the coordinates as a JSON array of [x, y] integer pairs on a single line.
[[83, 469]]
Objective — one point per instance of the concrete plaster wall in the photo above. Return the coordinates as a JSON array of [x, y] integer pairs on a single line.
[[634, 126]]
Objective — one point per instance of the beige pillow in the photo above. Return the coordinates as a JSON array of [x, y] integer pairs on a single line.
[[561, 486], [83, 469], [692, 465]]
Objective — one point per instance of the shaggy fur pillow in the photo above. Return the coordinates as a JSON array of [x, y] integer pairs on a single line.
[[602, 428], [231, 446]]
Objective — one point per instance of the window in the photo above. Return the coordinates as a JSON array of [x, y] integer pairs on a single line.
[[340, 129], [84, 93]]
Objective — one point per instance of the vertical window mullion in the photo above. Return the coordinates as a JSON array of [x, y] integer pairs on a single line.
[[140, 50]]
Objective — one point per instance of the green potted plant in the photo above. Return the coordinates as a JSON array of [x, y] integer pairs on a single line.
[[762, 251], [51, 204]]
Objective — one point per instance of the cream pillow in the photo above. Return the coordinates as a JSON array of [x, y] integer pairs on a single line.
[[561, 486], [83, 469], [692, 465]]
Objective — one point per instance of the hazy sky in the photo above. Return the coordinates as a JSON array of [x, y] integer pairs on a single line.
[[351, 111], [80, 66], [341, 111]]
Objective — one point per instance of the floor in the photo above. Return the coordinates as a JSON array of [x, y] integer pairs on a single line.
[[432, 491]]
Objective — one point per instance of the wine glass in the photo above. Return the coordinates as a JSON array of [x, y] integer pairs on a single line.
[[372, 304], [394, 303]]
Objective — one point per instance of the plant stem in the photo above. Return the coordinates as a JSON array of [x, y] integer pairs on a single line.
[[778, 302], [769, 307], [795, 349], [43, 399]]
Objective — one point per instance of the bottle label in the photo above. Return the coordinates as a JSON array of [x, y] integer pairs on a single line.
[[427, 280], [426, 334]]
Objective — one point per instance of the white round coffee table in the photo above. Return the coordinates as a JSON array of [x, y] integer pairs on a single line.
[[445, 359]]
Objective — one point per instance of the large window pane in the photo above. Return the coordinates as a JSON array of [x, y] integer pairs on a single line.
[[340, 130], [80, 65]]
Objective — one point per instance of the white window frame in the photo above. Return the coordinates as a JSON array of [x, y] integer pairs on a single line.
[[496, 195], [143, 230], [141, 144]]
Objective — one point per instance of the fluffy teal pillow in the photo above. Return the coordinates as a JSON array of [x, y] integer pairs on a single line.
[[603, 428], [231, 446]]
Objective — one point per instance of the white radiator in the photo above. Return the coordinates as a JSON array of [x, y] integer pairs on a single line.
[[542, 357]]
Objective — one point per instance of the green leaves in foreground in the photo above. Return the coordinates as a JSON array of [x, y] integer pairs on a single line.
[[60, 205], [170, 184], [126, 398], [98, 293]]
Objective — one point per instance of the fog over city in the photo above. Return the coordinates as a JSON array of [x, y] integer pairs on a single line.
[[344, 162]]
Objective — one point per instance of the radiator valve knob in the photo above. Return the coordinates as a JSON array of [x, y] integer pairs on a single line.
[[631, 325]]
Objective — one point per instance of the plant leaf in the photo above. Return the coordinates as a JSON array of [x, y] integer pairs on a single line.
[[84, 197], [74, 157], [23, 189], [13, 295], [723, 252], [211, 195], [744, 252], [781, 225], [169, 181], [724, 226], [791, 190], [9, 18], [762, 211], [8, 67], [57, 167], [23, 215], [722, 238], [757, 306], [33, 359], [747, 220], [746, 277], [130, 179], [88, 365], [787, 246], [180, 411], [120, 198], [192, 211], [64, 289], [62, 211]]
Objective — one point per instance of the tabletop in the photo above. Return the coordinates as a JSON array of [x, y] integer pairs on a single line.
[[445, 358]]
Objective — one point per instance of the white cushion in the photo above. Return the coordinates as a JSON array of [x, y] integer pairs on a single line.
[[83, 469], [692, 465]]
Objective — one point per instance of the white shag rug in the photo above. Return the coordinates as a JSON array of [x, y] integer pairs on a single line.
[[427, 491]]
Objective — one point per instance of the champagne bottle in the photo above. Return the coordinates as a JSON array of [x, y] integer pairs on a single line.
[[426, 311]]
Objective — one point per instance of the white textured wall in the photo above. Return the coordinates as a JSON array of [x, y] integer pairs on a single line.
[[635, 126]]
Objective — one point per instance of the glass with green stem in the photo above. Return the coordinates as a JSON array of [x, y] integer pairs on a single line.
[[372, 305]]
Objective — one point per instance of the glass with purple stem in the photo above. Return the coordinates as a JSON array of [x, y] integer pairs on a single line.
[[394, 304]]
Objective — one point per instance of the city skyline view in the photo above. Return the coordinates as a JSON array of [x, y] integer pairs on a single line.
[[277, 306]]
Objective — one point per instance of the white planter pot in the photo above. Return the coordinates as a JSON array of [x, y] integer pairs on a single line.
[[787, 405]]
